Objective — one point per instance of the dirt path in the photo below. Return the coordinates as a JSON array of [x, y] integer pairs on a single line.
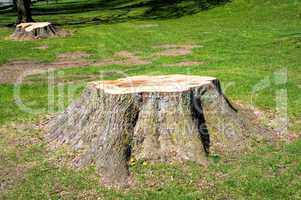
[[176, 50], [12, 71]]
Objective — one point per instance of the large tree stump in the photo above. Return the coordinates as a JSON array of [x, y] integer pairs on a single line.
[[34, 30], [155, 118]]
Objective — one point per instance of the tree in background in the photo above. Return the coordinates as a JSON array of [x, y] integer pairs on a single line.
[[23, 11]]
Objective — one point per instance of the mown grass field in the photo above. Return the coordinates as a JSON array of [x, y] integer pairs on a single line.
[[243, 43]]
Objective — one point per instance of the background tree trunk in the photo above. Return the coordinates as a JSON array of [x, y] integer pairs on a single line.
[[23, 11]]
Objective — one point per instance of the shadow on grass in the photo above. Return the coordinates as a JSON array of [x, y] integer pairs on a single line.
[[115, 11]]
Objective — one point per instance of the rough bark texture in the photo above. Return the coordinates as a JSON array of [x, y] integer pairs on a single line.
[[159, 118], [34, 30], [23, 11]]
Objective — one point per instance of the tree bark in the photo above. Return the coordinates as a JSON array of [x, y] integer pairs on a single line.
[[23, 11], [159, 118]]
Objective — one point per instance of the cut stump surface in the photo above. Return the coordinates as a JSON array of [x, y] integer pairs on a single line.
[[154, 118]]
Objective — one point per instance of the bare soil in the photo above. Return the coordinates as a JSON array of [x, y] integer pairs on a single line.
[[14, 70], [122, 58], [176, 50], [73, 55], [144, 26], [42, 47], [184, 64]]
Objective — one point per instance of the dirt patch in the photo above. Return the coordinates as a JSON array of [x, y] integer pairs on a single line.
[[184, 64], [14, 70], [21, 135], [122, 58], [269, 122], [42, 47], [10, 72], [73, 55], [147, 26], [174, 46], [176, 50]]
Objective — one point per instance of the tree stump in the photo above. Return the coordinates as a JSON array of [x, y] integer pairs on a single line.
[[154, 118], [34, 30]]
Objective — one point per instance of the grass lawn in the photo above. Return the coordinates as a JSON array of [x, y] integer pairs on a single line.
[[243, 43]]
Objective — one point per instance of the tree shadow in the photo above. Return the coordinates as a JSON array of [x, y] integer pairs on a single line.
[[115, 11]]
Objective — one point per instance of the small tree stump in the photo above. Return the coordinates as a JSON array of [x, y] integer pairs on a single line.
[[155, 118], [34, 30]]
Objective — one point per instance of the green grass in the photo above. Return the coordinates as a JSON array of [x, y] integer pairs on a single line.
[[242, 52], [243, 42], [270, 172]]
